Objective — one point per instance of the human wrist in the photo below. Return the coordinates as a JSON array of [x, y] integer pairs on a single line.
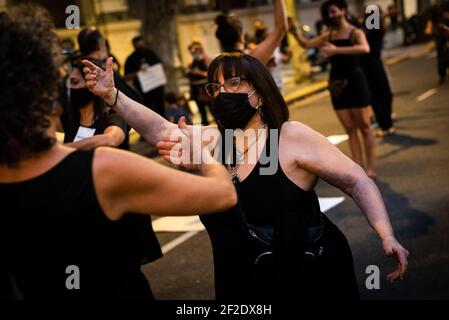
[[110, 97]]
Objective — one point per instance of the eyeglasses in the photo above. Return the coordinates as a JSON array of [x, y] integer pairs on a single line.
[[230, 85]]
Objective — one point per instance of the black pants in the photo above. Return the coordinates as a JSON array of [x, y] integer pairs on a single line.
[[381, 95], [443, 57], [202, 109]]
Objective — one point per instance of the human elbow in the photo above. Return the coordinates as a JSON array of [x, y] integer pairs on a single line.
[[228, 198], [366, 49]]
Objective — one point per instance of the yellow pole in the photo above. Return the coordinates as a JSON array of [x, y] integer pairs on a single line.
[[299, 60]]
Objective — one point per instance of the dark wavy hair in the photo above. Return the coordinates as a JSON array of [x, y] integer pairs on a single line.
[[274, 109], [28, 82], [229, 31], [341, 4], [88, 40]]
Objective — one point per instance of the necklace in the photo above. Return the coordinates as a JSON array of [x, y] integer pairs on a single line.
[[240, 156]]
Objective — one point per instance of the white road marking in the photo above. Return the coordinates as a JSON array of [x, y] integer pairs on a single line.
[[426, 95], [337, 139], [177, 224], [176, 242], [328, 203], [191, 225]]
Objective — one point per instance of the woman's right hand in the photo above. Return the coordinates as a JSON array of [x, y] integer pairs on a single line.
[[179, 147], [99, 81]]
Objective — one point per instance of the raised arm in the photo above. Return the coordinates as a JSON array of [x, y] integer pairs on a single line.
[[126, 182], [314, 153], [316, 42], [148, 123], [264, 50]]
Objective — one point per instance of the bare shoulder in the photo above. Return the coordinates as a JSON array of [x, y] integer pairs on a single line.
[[110, 160], [298, 132], [358, 33]]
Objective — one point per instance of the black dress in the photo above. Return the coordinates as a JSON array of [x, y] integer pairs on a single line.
[[274, 200], [351, 87], [379, 85], [53, 221]]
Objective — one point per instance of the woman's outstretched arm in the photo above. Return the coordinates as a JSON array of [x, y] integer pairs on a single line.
[[314, 153]]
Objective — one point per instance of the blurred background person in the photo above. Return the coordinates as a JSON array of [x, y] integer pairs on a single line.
[[177, 107], [231, 37], [442, 40], [140, 60], [379, 85], [93, 46], [197, 74], [86, 121], [343, 44]]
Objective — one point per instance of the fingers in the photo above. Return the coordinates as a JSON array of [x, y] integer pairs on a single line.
[[403, 263], [392, 277], [182, 123], [90, 76], [401, 257], [90, 65], [109, 65], [166, 145]]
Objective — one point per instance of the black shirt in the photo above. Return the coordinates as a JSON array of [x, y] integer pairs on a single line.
[[53, 221], [197, 81], [135, 61], [71, 122]]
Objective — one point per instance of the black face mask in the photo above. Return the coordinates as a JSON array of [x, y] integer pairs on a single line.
[[233, 110], [79, 98], [335, 21]]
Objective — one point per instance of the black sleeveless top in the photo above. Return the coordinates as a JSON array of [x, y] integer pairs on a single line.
[[53, 221], [343, 64], [266, 200]]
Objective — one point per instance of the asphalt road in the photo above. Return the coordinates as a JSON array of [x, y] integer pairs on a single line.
[[413, 177]]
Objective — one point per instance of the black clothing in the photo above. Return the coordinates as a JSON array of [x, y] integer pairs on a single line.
[[139, 227], [153, 99], [442, 56], [275, 200], [197, 90], [354, 91], [379, 85], [54, 221], [70, 120]]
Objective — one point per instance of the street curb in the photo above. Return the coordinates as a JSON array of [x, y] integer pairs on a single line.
[[306, 92], [407, 56]]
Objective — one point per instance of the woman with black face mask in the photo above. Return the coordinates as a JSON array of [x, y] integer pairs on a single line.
[[276, 241], [343, 44], [89, 124], [86, 121]]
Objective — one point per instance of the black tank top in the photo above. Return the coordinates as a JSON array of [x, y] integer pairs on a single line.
[[266, 200], [52, 221], [343, 64]]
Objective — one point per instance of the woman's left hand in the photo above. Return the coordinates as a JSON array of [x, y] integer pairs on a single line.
[[328, 50], [393, 248]]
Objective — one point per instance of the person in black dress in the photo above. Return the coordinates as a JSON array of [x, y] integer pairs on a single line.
[[379, 85], [60, 206], [343, 44], [276, 242]]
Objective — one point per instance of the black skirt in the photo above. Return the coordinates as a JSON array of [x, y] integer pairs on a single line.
[[352, 91]]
